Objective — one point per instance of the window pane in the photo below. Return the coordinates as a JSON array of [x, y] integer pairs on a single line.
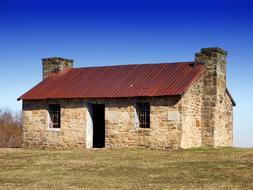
[[143, 112], [55, 115]]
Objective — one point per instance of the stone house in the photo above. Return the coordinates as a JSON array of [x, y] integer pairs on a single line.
[[162, 106]]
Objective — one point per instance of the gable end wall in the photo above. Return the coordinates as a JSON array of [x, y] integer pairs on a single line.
[[191, 111], [194, 117], [223, 131]]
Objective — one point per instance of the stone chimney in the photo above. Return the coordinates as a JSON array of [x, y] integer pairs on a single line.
[[55, 65], [214, 60]]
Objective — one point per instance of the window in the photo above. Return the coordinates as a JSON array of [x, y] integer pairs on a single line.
[[54, 115], [143, 113]]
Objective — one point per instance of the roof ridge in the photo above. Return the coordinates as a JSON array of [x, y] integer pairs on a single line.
[[132, 80], [136, 64]]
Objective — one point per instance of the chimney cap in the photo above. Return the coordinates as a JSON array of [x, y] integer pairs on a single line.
[[57, 59], [214, 49]]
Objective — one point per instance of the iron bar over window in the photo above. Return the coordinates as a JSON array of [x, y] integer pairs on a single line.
[[143, 112], [55, 115]]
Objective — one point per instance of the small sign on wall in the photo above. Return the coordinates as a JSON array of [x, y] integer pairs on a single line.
[[173, 115]]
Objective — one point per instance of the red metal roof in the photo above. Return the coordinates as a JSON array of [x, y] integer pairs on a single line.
[[164, 79]]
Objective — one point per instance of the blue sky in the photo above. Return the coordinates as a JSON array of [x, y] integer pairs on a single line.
[[126, 31]]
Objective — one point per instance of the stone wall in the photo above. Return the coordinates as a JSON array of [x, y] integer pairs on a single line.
[[191, 115], [223, 131], [36, 131], [121, 130], [120, 127]]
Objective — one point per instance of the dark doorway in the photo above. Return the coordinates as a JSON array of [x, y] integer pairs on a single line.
[[98, 119]]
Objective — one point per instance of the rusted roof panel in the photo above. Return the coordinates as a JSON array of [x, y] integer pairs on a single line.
[[164, 79]]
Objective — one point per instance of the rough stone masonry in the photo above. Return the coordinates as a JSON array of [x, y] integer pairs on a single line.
[[203, 116]]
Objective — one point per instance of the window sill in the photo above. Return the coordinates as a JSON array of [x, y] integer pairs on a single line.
[[142, 129], [54, 129]]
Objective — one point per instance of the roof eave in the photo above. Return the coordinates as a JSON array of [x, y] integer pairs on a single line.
[[231, 98]]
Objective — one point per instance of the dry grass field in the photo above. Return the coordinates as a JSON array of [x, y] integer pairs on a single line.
[[228, 168]]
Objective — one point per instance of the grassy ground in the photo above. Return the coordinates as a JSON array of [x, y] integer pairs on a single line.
[[228, 168]]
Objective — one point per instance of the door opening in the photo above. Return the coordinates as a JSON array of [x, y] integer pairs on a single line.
[[98, 119]]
